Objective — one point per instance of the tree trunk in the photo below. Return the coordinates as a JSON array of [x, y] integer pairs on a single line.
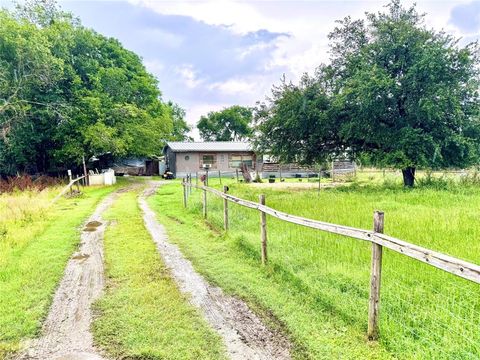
[[408, 176]]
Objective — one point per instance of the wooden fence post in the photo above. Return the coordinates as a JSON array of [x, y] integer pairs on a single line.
[[70, 179], [319, 178], [263, 230], [225, 209], [204, 201], [220, 177], [236, 171], [196, 178], [332, 175], [184, 193], [87, 181], [375, 279]]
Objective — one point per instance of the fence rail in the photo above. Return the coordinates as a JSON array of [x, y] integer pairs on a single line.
[[379, 240], [66, 188]]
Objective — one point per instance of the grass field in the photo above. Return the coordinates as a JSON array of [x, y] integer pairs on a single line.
[[142, 314], [36, 240], [316, 285]]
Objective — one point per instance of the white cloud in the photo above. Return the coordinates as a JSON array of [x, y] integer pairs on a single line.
[[188, 75], [234, 86], [154, 66], [306, 22], [241, 16]]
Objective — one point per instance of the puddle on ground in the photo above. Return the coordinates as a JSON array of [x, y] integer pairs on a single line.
[[92, 226], [80, 256]]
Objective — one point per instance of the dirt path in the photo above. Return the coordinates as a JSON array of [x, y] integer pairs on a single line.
[[66, 331], [244, 334]]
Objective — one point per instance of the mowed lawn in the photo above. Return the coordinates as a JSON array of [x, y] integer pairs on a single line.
[[142, 314], [36, 241], [316, 285]]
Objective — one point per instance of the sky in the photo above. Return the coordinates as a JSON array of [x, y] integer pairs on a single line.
[[208, 55]]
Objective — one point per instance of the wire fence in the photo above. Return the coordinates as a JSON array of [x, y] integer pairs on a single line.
[[425, 313]]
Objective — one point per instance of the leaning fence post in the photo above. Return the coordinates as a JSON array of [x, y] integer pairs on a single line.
[[204, 200], [184, 184], [375, 279], [225, 209], [263, 230]]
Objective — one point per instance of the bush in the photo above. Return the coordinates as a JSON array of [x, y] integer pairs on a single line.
[[26, 182]]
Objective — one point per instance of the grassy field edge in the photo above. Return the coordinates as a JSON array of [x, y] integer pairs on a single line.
[[33, 264], [142, 314]]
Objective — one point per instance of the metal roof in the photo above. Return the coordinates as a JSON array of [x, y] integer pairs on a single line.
[[178, 146]]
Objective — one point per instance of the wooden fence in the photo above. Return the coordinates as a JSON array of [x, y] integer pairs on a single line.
[[376, 237], [67, 187]]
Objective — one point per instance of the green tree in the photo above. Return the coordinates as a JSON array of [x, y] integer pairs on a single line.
[[180, 127], [29, 73], [400, 93], [411, 94], [68, 92], [230, 124], [297, 125]]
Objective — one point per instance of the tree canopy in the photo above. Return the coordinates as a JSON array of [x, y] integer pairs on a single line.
[[401, 93], [67, 92], [230, 124], [180, 128]]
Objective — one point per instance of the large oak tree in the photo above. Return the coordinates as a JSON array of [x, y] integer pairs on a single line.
[[406, 95]]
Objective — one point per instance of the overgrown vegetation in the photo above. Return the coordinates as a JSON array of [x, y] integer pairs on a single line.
[[36, 240], [143, 315], [26, 182], [67, 92], [317, 284]]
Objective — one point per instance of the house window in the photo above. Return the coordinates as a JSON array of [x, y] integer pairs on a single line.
[[237, 160], [210, 159], [187, 157]]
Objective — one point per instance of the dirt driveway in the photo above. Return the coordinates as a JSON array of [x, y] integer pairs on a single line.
[[245, 335]]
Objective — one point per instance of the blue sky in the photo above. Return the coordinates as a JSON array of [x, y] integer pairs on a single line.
[[212, 54]]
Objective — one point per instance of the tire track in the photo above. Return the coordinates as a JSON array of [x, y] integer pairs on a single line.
[[244, 334], [66, 331]]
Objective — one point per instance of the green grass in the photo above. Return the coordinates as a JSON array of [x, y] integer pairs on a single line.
[[316, 284], [143, 315], [36, 241]]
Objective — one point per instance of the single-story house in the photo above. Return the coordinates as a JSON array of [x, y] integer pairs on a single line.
[[183, 158]]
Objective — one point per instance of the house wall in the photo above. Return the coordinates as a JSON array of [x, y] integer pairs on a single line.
[[170, 160], [184, 167]]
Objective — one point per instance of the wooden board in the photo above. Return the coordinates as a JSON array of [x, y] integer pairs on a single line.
[[436, 259]]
